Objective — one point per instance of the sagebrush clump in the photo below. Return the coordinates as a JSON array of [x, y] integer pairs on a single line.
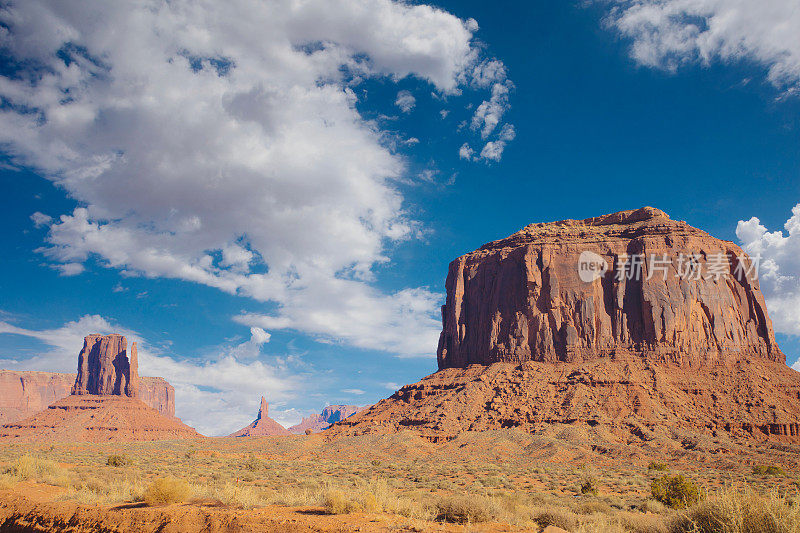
[[768, 470], [166, 490], [676, 491], [118, 460]]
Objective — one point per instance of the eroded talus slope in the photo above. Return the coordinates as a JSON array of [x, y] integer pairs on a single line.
[[104, 404], [632, 396], [93, 418]]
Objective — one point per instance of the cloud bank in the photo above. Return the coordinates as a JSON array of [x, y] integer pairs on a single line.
[[221, 144]]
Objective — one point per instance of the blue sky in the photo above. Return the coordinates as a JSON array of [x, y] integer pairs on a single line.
[[267, 197]]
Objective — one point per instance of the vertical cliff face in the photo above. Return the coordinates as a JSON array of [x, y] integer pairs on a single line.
[[105, 367], [630, 282], [105, 403], [629, 324]]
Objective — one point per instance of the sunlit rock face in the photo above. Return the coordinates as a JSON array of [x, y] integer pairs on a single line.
[[632, 282]]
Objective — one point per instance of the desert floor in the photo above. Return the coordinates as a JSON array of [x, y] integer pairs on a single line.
[[490, 481]]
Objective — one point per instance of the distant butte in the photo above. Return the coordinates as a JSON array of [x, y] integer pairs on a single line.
[[329, 415], [104, 404], [106, 368], [532, 336], [262, 426]]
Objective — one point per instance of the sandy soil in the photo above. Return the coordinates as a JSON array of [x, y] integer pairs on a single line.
[[28, 508]]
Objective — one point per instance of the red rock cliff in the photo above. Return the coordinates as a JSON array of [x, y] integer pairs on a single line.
[[690, 298], [105, 367], [24, 393]]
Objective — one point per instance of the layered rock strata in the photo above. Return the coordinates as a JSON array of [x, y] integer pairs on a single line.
[[104, 404], [94, 418], [669, 292], [629, 396], [106, 368]]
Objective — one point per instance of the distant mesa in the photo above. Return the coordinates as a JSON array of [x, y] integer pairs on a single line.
[[24, 393], [329, 416], [262, 426], [104, 404], [529, 339]]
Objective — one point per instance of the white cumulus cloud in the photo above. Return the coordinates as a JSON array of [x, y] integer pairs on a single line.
[[405, 101], [669, 33], [779, 268], [493, 150], [221, 143]]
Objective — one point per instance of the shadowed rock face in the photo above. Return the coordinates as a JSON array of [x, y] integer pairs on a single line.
[[104, 404], [523, 299], [105, 368]]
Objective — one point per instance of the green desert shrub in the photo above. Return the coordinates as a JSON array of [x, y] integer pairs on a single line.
[[768, 470], [118, 460], [589, 486], [676, 491], [655, 465], [166, 490]]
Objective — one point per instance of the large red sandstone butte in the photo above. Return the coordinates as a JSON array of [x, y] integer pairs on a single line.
[[105, 368], [329, 415], [528, 339], [262, 426], [103, 405], [24, 393], [522, 299]]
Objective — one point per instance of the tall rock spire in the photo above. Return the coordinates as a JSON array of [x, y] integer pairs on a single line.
[[262, 426]]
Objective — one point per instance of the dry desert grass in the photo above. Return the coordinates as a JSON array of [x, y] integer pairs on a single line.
[[496, 477]]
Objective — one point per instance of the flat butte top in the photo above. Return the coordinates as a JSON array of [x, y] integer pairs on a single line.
[[623, 225]]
